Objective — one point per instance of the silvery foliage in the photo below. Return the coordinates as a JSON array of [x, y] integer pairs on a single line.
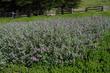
[[51, 41]]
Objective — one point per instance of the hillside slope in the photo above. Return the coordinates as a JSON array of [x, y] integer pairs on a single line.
[[86, 3]]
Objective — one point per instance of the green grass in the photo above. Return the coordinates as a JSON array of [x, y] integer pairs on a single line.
[[97, 61], [105, 41], [65, 16], [86, 3]]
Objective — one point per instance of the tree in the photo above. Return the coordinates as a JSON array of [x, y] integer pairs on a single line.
[[37, 6], [40, 6], [23, 2], [24, 5], [66, 3]]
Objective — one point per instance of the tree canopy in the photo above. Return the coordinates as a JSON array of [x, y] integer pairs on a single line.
[[37, 6]]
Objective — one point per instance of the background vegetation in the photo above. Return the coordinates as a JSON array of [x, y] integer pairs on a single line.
[[36, 7]]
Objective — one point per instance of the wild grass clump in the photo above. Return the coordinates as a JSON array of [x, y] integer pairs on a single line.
[[51, 42]]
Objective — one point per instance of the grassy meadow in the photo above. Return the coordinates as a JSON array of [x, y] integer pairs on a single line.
[[70, 43], [34, 18], [87, 3]]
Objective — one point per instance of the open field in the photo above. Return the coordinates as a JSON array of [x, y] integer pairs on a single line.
[[71, 43]]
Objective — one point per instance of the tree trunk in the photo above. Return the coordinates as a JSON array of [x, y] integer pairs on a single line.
[[62, 9]]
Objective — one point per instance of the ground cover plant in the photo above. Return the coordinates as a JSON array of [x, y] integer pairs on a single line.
[[73, 45]]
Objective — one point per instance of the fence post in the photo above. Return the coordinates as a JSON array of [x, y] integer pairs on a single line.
[[13, 14]]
